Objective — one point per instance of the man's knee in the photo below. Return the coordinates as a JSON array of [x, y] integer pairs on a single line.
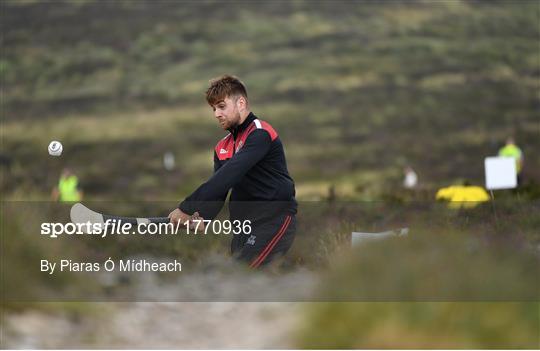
[[265, 245]]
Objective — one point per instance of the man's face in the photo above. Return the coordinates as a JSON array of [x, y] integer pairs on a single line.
[[227, 113]]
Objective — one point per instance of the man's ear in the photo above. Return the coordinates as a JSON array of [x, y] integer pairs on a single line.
[[241, 103]]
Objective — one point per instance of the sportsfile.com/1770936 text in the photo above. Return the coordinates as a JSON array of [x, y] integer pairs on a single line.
[[118, 227]]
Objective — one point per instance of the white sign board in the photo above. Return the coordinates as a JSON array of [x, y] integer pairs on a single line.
[[500, 173]]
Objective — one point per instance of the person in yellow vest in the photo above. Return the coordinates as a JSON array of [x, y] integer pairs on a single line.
[[512, 150], [68, 188]]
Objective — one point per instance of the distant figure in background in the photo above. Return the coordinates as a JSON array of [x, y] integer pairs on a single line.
[[168, 161], [331, 193], [411, 178], [512, 150], [68, 188]]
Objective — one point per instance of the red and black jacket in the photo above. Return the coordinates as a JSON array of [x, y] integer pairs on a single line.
[[250, 160]]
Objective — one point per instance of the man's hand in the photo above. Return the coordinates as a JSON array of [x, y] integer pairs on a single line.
[[178, 216], [194, 221]]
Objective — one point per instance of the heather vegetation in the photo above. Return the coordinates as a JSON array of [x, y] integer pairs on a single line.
[[356, 90]]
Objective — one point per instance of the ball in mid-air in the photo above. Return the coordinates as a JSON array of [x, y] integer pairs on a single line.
[[55, 148]]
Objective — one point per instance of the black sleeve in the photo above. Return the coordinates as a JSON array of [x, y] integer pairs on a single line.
[[213, 192]]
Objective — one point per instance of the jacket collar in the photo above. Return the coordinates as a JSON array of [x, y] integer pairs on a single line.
[[238, 129]]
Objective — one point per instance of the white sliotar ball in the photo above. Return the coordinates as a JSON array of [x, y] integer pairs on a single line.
[[55, 148]]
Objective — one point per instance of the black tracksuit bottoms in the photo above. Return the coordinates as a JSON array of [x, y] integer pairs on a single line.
[[268, 239]]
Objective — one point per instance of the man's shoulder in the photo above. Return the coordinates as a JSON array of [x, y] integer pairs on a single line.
[[224, 145], [510, 150], [263, 125]]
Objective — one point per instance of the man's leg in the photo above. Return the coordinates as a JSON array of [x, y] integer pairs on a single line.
[[267, 241]]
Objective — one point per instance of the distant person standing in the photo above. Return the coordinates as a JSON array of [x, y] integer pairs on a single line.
[[68, 188], [411, 178], [512, 150], [168, 161]]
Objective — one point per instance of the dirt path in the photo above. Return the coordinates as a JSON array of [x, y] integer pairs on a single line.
[[178, 325], [159, 325]]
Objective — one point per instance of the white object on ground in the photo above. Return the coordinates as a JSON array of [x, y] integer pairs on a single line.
[[501, 173], [55, 148], [361, 237]]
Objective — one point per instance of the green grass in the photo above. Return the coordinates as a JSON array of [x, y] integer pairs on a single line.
[[438, 85], [417, 325], [356, 91], [462, 279]]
